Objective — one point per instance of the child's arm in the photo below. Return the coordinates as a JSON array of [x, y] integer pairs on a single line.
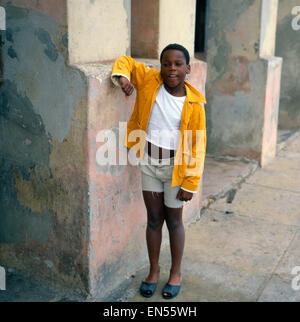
[[128, 73], [126, 86], [184, 195]]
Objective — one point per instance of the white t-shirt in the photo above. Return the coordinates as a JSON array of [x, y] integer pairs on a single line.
[[164, 123]]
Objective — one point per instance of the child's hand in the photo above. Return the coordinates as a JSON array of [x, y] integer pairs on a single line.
[[184, 195], [126, 86]]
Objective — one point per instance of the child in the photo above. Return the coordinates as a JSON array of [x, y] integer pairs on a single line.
[[167, 108]]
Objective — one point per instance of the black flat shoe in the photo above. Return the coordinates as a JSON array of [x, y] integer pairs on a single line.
[[147, 289], [171, 290]]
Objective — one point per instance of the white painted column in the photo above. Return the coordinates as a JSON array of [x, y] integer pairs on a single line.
[[98, 30]]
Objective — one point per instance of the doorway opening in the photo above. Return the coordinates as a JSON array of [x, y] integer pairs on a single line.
[[200, 29]]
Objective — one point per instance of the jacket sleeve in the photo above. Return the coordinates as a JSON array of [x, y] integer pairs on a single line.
[[194, 151], [127, 67]]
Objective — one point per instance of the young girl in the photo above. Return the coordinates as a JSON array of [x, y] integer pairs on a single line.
[[166, 110]]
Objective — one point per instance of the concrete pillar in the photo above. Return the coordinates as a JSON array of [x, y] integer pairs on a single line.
[[288, 47], [243, 79], [98, 30], [155, 24]]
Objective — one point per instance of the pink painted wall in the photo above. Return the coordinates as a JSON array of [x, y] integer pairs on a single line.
[[272, 94]]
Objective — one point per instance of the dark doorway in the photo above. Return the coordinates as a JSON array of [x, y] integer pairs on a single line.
[[200, 28]]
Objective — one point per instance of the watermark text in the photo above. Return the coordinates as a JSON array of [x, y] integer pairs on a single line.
[[2, 279], [296, 20], [190, 147], [2, 19], [296, 279]]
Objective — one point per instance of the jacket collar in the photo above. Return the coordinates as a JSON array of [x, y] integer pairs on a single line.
[[193, 95]]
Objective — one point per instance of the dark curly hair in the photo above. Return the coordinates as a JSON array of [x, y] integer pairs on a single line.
[[176, 47]]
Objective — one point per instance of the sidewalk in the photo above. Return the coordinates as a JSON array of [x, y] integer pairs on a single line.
[[244, 250], [239, 251]]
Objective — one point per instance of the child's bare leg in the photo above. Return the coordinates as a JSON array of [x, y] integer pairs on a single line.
[[177, 236], [154, 202]]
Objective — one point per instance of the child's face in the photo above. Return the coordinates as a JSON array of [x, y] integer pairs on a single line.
[[174, 68]]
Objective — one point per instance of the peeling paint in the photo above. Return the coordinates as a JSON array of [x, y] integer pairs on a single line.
[[54, 8], [31, 73], [43, 170], [237, 79], [65, 40], [9, 35], [45, 39], [30, 192], [11, 53], [288, 47]]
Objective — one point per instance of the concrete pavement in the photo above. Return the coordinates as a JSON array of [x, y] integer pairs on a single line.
[[244, 250]]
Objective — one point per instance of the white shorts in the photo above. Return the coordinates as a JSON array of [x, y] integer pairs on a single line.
[[157, 177]]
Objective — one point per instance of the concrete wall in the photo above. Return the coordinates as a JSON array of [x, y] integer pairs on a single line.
[[238, 78], [155, 24], [43, 190], [177, 24], [144, 28], [64, 217], [99, 30], [268, 28], [288, 47]]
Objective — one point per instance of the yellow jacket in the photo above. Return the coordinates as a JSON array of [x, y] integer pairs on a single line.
[[190, 153]]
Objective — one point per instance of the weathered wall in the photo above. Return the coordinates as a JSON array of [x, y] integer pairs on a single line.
[[155, 24], [177, 24], [238, 77], [117, 212], [288, 47], [65, 217], [43, 220], [144, 28], [99, 30]]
